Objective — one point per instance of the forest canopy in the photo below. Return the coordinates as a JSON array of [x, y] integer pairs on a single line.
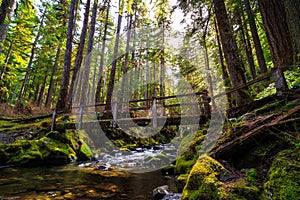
[[51, 50]]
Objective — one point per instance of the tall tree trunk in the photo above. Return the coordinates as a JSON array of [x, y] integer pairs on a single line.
[[7, 9], [51, 84], [233, 62], [42, 91], [103, 85], [36, 92], [63, 95], [274, 18], [247, 48], [98, 90], [3, 72], [125, 64], [114, 62], [88, 58], [146, 95], [80, 50], [292, 8], [7, 56], [259, 52], [162, 64], [33, 48], [133, 58]]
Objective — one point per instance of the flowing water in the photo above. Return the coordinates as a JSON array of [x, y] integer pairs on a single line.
[[101, 179]]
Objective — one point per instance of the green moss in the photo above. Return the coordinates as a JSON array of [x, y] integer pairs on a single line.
[[242, 190], [85, 149], [183, 165], [252, 177], [54, 148], [203, 183], [181, 181], [284, 176]]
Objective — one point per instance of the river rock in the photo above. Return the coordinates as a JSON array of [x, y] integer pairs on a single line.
[[160, 192], [172, 196]]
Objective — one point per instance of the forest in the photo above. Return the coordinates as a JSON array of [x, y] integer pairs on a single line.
[[232, 67]]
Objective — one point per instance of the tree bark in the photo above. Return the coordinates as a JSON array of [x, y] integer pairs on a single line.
[[98, 89], [125, 64], [114, 62], [42, 91], [274, 18], [247, 48], [63, 95], [292, 9], [234, 65], [225, 75], [259, 52], [7, 56], [79, 55], [88, 58], [51, 84], [6, 9]]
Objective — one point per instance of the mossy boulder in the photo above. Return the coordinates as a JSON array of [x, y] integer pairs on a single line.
[[284, 176], [54, 148], [204, 182], [189, 151]]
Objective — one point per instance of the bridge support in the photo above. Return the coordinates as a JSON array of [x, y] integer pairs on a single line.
[[80, 117], [154, 112], [115, 107], [205, 105], [53, 120]]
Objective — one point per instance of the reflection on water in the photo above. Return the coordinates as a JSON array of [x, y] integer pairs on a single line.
[[73, 182]]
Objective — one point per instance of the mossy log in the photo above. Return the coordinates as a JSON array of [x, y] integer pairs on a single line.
[[238, 150]]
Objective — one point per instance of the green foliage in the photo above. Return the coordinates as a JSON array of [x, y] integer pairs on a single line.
[[293, 78], [293, 81], [17, 48]]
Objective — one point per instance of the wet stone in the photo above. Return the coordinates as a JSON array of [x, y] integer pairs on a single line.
[[172, 196], [47, 188], [69, 196], [53, 194], [160, 192]]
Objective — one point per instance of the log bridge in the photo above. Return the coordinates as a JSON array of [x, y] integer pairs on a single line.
[[158, 111]]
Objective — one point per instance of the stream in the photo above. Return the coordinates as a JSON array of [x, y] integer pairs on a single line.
[[117, 175]]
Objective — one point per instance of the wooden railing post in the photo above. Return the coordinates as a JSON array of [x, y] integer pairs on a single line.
[[205, 105], [53, 120], [154, 112], [80, 117], [115, 107]]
